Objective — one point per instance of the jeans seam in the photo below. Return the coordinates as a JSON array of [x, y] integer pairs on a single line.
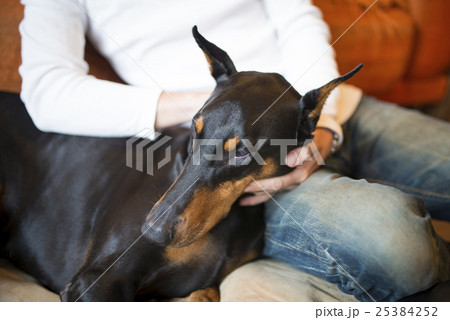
[[319, 258], [408, 188]]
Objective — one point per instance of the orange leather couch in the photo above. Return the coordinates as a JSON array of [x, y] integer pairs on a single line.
[[404, 45]]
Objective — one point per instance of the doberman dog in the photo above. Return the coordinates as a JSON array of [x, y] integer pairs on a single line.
[[84, 224]]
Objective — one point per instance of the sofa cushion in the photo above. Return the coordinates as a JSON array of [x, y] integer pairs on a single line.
[[381, 39], [271, 280], [10, 17], [15, 286], [262, 280]]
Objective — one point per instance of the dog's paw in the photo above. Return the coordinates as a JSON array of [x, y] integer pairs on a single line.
[[210, 294]]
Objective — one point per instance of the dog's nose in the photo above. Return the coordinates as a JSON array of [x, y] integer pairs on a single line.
[[157, 234]]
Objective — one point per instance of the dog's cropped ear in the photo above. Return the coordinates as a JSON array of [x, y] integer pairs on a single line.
[[220, 64], [312, 102]]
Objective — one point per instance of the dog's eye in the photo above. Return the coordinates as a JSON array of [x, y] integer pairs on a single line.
[[242, 157], [241, 154]]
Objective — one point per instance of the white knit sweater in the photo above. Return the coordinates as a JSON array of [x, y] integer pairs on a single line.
[[149, 44]]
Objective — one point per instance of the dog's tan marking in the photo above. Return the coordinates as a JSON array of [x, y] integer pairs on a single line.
[[268, 170], [88, 252], [231, 144], [208, 206], [323, 95], [210, 294], [199, 124], [209, 62], [189, 253]]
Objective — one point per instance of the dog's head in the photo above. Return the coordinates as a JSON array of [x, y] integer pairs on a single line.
[[232, 143]]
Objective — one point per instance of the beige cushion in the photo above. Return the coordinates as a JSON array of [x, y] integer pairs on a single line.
[[16, 285], [262, 280], [270, 280]]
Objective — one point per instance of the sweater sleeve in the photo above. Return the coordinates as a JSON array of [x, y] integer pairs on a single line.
[[307, 59], [58, 93]]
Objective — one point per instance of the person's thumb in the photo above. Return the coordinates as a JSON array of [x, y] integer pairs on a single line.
[[296, 157]]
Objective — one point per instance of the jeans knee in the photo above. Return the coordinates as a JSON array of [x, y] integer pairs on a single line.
[[407, 265], [383, 238], [397, 249]]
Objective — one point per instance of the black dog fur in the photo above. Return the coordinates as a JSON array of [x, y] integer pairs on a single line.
[[84, 224]]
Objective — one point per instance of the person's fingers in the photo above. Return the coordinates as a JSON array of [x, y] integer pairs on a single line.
[[273, 185], [254, 200], [297, 176], [304, 165], [252, 187], [263, 189], [270, 185], [297, 157]]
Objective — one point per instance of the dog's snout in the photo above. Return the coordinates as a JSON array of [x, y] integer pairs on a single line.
[[159, 230], [157, 233]]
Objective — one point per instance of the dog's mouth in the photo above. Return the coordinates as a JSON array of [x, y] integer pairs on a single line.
[[184, 241], [197, 219], [179, 234], [205, 208], [178, 221]]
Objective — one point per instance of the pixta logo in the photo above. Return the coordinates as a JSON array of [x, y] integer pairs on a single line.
[[141, 148]]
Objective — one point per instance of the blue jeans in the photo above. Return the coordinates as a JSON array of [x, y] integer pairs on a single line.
[[363, 221]]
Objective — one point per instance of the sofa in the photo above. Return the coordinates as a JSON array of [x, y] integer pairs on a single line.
[[396, 42], [407, 38]]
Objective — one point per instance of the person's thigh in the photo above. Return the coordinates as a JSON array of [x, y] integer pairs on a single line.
[[373, 241], [402, 148]]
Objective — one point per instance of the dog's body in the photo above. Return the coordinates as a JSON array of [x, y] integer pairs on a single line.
[[77, 218], [68, 200]]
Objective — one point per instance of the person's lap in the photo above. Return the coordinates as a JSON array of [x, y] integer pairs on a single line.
[[402, 148], [373, 240]]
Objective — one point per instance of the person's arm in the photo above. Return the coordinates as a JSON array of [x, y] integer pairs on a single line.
[[61, 97], [308, 63], [178, 107]]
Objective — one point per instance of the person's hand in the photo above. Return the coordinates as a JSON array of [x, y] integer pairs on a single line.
[[323, 140]]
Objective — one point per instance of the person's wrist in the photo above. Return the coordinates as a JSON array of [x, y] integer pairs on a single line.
[[329, 138], [323, 140], [177, 107]]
